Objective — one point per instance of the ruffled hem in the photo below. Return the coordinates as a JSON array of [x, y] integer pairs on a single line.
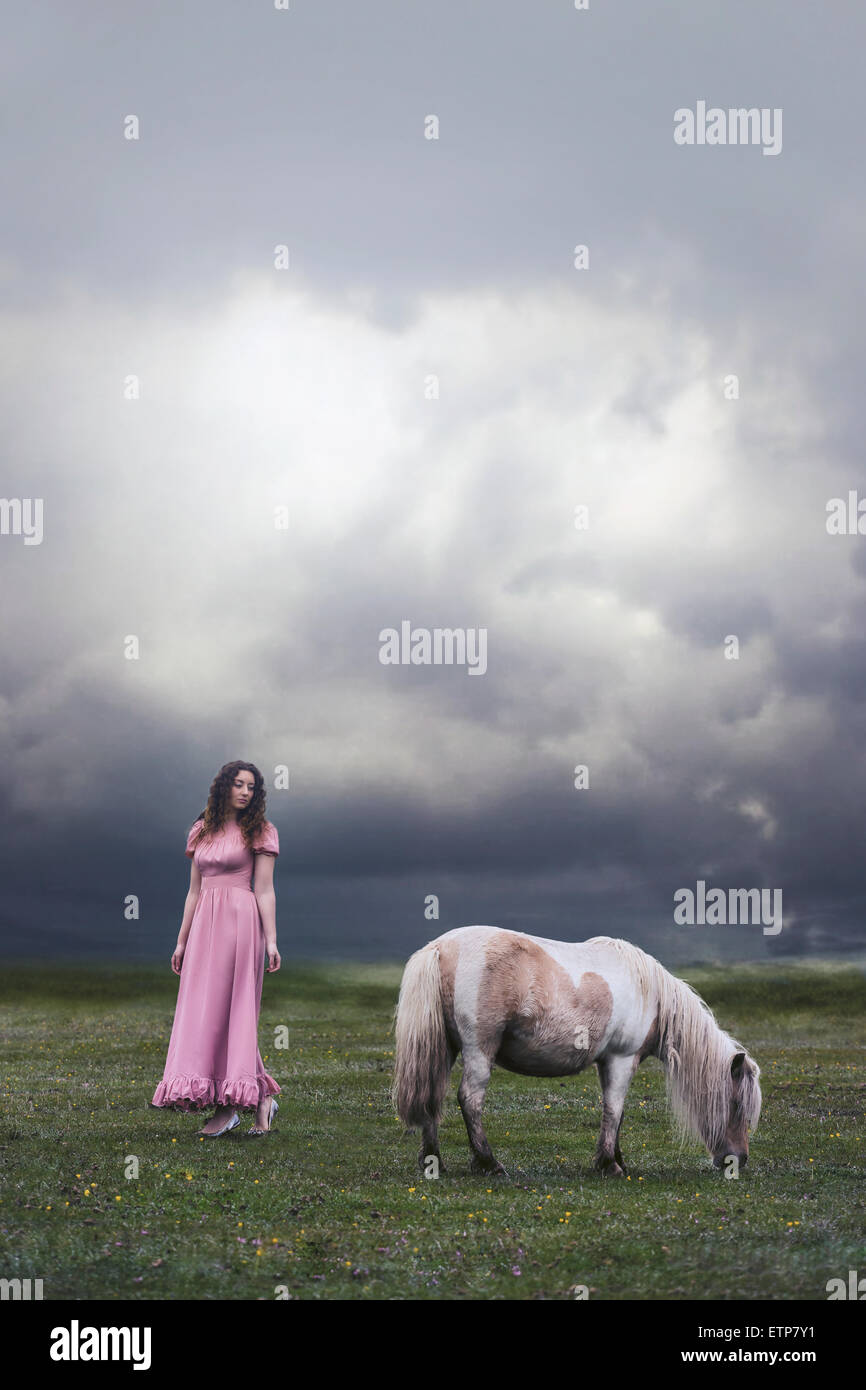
[[201, 1092]]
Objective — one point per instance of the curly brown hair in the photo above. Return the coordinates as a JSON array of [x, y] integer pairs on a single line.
[[214, 816]]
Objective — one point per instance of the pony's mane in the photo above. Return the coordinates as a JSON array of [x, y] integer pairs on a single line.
[[695, 1051]]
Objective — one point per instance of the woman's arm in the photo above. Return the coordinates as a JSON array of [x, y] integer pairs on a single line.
[[263, 887], [189, 905]]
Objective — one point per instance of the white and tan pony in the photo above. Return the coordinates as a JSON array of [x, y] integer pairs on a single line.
[[552, 1008]]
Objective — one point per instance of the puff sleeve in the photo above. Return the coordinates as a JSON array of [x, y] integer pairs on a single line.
[[268, 841], [191, 836]]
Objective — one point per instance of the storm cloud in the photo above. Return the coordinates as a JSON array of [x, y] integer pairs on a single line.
[[431, 408]]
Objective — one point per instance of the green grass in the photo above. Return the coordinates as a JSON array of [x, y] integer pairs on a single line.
[[103, 1197]]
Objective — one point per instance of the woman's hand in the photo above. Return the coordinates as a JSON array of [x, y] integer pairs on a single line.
[[177, 958], [273, 957]]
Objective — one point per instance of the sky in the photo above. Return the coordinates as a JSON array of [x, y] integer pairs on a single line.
[[297, 346]]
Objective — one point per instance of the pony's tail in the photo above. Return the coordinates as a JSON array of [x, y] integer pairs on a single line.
[[421, 1067]]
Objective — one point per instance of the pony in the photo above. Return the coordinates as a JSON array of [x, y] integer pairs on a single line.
[[552, 1008]]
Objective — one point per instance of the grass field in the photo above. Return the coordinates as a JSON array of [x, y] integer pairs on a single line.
[[103, 1197]]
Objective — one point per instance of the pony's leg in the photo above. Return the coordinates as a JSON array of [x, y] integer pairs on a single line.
[[615, 1074], [430, 1139], [473, 1088]]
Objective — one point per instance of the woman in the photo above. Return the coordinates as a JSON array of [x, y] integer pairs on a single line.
[[213, 1056]]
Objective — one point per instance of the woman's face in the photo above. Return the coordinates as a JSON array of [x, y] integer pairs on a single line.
[[242, 790]]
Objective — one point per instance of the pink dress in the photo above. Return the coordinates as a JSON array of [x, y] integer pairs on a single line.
[[213, 1055]]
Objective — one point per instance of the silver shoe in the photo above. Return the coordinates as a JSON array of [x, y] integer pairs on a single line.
[[229, 1124], [254, 1131]]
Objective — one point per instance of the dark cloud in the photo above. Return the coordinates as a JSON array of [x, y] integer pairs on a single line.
[[431, 390]]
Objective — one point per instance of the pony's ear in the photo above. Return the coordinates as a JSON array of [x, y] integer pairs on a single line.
[[737, 1065]]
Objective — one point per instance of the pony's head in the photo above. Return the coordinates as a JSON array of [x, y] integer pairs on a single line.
[[743, 1095], [713, 1087]]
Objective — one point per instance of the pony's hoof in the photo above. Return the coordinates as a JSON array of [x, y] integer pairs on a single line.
[[609, 1168], [486, 1168]]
